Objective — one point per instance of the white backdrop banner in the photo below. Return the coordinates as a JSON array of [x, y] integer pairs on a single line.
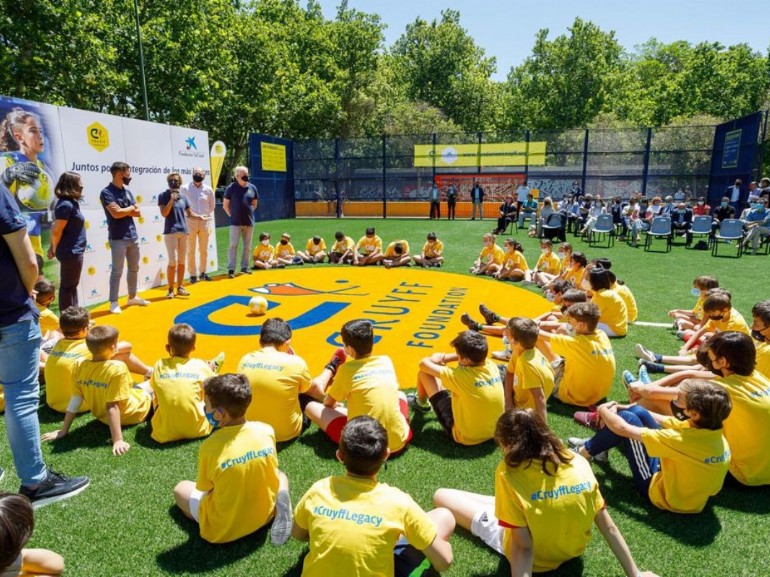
[[88, 143]]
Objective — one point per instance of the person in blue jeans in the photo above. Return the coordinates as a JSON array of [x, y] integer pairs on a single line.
[[19, 350], [120, 208], [240, 202]]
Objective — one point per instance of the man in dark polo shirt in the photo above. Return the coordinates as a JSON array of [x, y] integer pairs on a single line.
[[239, 203], [19, 351], [120, 208]]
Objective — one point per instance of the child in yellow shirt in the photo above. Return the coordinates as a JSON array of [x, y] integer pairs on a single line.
[[613, 314], [432, 252], [368, 249], [490, 255], [689, 320], [529, 378], [240, 487], [106, 387], [356, 525], [284, 253], [263, 255], [315, 250], [397, 254], [514, 266], [548, 266], [467, 398], [343, 250]]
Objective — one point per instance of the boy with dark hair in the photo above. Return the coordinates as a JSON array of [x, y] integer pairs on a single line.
[[369, 385], [280, 380], [239, 487], [343, 251], [369, 249], [315, 250], [49, 322], [106, 387], [467, 398], [760, 330], [353, 522], [686, 319], [284, 253], [397, 254], [263, 256], [432, 252], [529, 378]]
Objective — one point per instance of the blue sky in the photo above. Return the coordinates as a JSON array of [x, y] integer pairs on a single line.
[[506, 29]]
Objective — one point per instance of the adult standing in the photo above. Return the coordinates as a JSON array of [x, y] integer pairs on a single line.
[[68, 237], [435, 202], [174, 208], [477, 201], [240, 202], [202, 203], [521, 195], [451, 201], [736, 196], [121, 208], [19, 350]]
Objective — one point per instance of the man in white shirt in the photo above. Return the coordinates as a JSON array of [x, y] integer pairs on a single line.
[[199, 222], [521, 195]]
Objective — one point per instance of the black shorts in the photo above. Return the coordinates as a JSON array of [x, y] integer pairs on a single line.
[[411, 562], [442, 406]]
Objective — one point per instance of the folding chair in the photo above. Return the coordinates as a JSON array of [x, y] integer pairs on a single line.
[[701, 226], [512, 224], [731, 230], [604, 227], [660, 228]]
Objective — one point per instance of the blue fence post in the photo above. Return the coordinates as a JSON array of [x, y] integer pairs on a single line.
[[337, 170], [646, 162], [585, 162], [384, 179]]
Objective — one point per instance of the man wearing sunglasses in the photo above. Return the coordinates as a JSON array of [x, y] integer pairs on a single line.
[[239, 203]]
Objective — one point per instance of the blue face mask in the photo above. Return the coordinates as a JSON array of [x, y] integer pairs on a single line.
[[695, 292], [210, 418]]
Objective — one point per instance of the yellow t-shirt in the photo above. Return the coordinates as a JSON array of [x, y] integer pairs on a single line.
[[575, 275], [263, 253], [390, 252], [276, 381], [477, 401], [354, 524], [515, 260], [559, 510], [343, 245], [48, 319], [434, 249], [368, 245], [697, 310], [589, 367], [612, 311], [530, 370], [747, 429], [102, 382], [736, 322], [549, 263], [370, 387], [284, 250], [628, 299], [59, 369], [693, 465], [565, 263], [238, 471], [178, 400], [492, 254], [313, 249], [763, 358]]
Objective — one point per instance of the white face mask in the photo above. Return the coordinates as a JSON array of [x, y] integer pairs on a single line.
[[544, 250], [266, 242], [562, 255]]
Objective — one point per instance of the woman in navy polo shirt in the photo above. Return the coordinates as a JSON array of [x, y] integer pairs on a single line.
[[174, 208], [68, 237]]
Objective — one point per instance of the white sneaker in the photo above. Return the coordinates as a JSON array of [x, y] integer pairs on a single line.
[[115, 308], [644, 353], [137, 301]]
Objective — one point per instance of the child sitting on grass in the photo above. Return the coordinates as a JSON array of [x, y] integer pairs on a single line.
[[368, 249], [397, 254], [555, 321], [490, 255], [467, 398], [432, 252], [529, 378], [343, 250], [284, 253], [262, 256], [239, 487], [514, 266], [315, 250], [17, 521], [106, 388], [356, 525], [689, 320], [548, 266]]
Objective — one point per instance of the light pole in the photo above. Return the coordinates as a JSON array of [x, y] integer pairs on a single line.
[[141, 61]]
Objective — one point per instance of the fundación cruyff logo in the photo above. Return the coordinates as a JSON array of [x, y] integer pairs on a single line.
[[98, 136]]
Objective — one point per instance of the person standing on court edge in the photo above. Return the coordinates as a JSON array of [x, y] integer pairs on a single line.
[[202, 203], [19, 350], [435, 202], [240, 202], [121, 208], [451, 201], [477, 200]]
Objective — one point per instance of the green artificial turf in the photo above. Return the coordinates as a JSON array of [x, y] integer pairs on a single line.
[[125, 523]]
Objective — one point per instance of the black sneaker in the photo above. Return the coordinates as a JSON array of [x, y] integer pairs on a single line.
[[416, 405], [206, 277], [194, 279], [231, 274], [55, 487], [245, 271], [470, 323], [490, 317]]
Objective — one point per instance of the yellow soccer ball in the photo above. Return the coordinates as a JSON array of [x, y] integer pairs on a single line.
[[38, 195], [258, 305]]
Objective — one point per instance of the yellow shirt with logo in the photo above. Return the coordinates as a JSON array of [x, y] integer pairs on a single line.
[[370, 387], [102, 382], [390, 252], [368, 245], [59, 370], [313, 249], [763, 358], [263, 253], [344, 245], [548, 263], [693, 465], [628, 299], [515, 260], [589, 367], [276, 380], [492, 254], [434, 249], [354, 524], [736, 322], [612, 311], [178, 400], [559, 509], [48, 319], [530, 370], [575, 275], [284, 250], [477, 400], [747, 429], [238, 471]]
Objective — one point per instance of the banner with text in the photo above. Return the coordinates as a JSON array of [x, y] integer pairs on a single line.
[[476, 155]]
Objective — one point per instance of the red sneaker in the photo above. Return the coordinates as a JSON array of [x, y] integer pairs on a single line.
[[337, 359], [590, 419]]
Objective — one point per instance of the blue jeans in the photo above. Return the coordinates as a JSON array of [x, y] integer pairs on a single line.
[[19, 350], [643, 467], [236, 234], [122, 251]]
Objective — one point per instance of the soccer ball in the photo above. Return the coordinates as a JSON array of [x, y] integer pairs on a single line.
[[38, 195], [258, 305]]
